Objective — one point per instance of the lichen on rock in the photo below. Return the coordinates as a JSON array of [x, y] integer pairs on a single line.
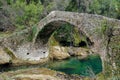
[[4, 57]]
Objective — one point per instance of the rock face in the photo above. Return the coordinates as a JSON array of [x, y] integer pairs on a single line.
[[81, 51], [58, 52], [37, 74], [4, 57]]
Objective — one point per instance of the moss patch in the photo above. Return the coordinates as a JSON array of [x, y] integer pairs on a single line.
[[76, 37], [32, 33], [53, 41], [10, 53]]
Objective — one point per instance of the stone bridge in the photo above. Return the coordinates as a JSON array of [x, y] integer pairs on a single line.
[[99, 29], [86, 23]]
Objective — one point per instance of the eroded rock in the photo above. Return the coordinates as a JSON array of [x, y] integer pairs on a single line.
[[58, 52], [37, 74], [4, 57]]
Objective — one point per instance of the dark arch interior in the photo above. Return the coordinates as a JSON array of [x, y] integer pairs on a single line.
[[50, 28], [47, 31]]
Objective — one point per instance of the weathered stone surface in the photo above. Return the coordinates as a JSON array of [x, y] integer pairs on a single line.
[[113, 54], [37, 74], [81, 51], [58, 52], [4, 57]]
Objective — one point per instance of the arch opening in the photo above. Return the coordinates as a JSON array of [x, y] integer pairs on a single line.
[[65, 33]]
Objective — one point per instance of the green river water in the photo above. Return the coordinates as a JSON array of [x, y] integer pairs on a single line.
[[89, 66]]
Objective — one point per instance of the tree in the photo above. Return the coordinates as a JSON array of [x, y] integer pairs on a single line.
[[27, 2], [79, 5], [42, 1], [14, 1]]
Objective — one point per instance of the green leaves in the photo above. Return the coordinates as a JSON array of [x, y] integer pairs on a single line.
[[32, 33], [68, 34], [1, 3], [27, 15], [109, 8], [64, 33]]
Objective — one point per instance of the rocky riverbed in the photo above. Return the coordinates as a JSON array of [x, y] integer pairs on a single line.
[[37, 74]]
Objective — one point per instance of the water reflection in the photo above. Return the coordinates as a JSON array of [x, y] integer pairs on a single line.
[[89, 66]]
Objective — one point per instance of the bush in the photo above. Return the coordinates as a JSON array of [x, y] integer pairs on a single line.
[[110, 8], [1, 4], [68, 35], [27, 15]]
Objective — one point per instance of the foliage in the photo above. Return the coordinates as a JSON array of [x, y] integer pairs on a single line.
[[95, 7], [72, 6], [64, 33], [1, 4], [27, 15], [76, 37], [110, 8], [33, 32], [52, 41], [8, 1], [68, 35]]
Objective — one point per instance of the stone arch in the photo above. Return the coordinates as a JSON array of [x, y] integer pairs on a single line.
[[55, 17], [45, 33], [87, 23]]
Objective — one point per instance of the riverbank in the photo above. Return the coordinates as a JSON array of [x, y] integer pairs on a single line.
[[37, 74]]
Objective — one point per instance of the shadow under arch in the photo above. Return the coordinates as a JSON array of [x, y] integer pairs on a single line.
[[47, 30]]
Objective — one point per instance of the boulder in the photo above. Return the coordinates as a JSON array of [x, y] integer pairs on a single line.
[[58, 52], [81, 51], [4, 57]]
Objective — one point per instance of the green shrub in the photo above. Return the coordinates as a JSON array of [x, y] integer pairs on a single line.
[[64, 33], [69, 34], [0, 3], [32, 34], [110, 8], [9, 2], [27, 15]]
